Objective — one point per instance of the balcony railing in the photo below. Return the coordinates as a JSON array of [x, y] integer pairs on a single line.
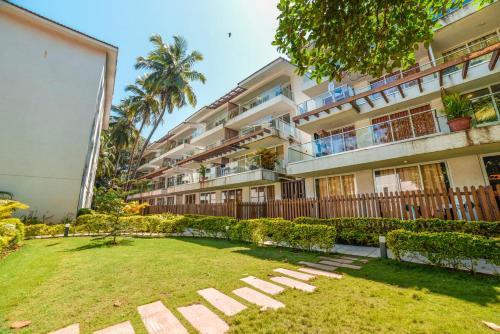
[[327, 98], [414, 125], [258, 100], [232, 168]]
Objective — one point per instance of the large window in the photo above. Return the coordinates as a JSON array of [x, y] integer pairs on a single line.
[[231, 195], [485, 104], [335, 186], [170, 200], [190, 199], [411, 178], [207, 198], [261, 194]]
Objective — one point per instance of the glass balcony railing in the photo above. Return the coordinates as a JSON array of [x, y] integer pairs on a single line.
[[232, 168], [393, 130], [258, 100], [328, 98]]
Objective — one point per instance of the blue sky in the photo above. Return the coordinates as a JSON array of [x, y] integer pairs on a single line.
[[204, 23]]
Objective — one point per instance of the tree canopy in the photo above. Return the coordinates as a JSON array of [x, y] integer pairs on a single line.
[[328, 38]]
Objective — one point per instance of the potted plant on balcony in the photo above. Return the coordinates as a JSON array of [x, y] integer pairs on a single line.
[[456, 109], [265, 158], [203, 173]]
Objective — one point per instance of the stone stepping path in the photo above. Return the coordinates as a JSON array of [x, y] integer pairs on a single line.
[[122, 328], [258, 298], [338, 264], [340, 260], [223, 303], [204, 320], [294, 274], [71, 329], [159, 320], [262, 285], [292, 283], [354, 259], [321, 272], [318, 266]]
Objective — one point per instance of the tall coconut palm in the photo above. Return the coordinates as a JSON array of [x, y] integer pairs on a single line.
[[122, 130], [146, 107], [106, 156], [169, 75]]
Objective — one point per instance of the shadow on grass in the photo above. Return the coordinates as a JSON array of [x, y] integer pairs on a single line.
[[478, 289], [53, 244], [103, 243]]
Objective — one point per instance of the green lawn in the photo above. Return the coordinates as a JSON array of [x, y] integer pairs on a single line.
[[56, 282]]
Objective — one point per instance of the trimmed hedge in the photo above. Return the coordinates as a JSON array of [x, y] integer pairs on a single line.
[[365, 231], [283, 232], [449, 249], [11, 233]]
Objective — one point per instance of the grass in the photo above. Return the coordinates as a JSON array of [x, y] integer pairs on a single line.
[[56, 282]]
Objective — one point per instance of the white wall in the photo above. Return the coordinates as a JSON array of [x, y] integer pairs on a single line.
[[49, 92]]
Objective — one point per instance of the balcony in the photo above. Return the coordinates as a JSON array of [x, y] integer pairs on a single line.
[[210, 135], [273, 102], [248, 171], [423, 135], [415, 85]]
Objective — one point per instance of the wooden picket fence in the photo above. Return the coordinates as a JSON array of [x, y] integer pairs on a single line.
[[474, 203]]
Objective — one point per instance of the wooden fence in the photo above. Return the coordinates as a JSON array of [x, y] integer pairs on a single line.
[[481, 203]]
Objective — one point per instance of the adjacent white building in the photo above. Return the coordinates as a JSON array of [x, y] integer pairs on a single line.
[[56, 86]]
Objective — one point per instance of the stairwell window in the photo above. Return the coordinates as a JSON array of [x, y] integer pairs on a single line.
[[335, 186]]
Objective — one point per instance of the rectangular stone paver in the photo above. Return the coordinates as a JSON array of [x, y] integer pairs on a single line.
[[294, 274], [159, 320], [341, 260], [292, 283], [320, 272], [354, 259], [338, 264], [262, 285], [318, 266], [258, 298], [222, 302], [204, 320], [121, 328], [71, 329]]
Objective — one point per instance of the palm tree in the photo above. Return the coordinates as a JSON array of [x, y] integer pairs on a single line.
[[106, 156], [145, 108], [169, 75], [122, 130]]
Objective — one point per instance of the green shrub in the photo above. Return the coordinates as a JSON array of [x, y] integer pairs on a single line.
[[209, 225], [84, 211], [283, 232], [365, 231], [445, 248], [11, 232], [94, 223]]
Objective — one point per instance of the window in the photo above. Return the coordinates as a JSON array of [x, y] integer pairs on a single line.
[[160, 201], [207, 198], [335, 186], [170, 200], [411, 178], [261, 194], [190, 199], [231, 195]]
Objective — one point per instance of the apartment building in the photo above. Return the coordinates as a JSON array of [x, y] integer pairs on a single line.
[[56, 92], [360, 135], [225, 139]]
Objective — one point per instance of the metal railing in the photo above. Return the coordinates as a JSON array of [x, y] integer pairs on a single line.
[[327, 98], [393, 130], [258, 100]]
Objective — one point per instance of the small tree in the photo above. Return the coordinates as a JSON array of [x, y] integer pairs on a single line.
[[111, 202]]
